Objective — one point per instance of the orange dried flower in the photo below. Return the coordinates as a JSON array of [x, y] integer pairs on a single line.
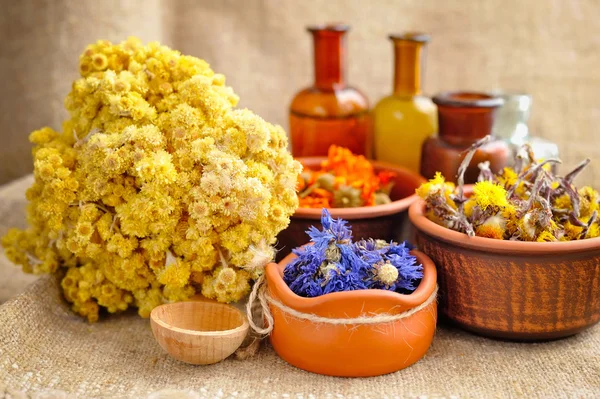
[[342, 174]]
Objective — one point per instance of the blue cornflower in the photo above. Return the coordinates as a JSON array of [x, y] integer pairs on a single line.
[[307, 286], [334, 263], [354, 263], [304, 266], [367, 245], [343, 281], [333, 230], [408, 269], [382, 256], [367, 252]]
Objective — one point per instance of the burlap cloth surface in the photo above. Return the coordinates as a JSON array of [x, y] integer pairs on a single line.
[[47, 352]]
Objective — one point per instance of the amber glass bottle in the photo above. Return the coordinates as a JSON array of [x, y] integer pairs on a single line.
[[329, 112], [464, 118], [403, 120]]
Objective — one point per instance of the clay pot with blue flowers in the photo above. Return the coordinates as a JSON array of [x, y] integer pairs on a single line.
[[352, 309]]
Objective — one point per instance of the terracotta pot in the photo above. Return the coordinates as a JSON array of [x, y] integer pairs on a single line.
[[387, 222], [512, 289], [353, 350]]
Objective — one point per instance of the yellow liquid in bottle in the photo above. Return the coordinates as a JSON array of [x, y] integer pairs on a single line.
[[401, 125]]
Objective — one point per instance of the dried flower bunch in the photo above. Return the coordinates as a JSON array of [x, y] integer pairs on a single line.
[[344, 180], [333, 263], [156, 188], [527, 202]]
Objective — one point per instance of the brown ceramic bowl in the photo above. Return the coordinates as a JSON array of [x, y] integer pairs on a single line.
[[351, 350], [510, 289], [385, 222]]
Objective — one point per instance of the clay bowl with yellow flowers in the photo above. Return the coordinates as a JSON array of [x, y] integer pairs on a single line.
[[510, 289], [386, 220]]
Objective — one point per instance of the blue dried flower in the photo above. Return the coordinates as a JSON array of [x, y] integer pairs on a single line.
[[305, 265], [333, 230], [338, 281], [334, 263], [380, 253]]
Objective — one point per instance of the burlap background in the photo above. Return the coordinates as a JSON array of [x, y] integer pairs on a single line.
[[546, 48], [47, 352]]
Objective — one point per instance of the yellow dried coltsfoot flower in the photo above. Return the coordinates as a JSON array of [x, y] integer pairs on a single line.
[[437, 188], [508, 177], [155, 182], [589, 201], [489, 194], [492, 227]]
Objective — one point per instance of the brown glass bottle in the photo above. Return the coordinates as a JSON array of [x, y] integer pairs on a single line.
[[329, 112], [463, 119]]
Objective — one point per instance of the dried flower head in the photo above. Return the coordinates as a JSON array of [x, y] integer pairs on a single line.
[[387, 273]]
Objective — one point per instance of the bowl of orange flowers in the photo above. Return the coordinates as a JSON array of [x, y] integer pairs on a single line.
[[374, 196]]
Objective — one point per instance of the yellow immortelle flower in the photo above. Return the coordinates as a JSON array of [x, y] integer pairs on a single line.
[[175, 273], [153, 163]]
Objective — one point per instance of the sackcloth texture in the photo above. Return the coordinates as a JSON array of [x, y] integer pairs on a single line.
[[48, 352]]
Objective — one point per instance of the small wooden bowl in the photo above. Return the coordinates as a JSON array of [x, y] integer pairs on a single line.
[[198, 332]]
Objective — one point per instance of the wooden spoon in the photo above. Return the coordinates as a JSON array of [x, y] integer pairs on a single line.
[[198, 332]]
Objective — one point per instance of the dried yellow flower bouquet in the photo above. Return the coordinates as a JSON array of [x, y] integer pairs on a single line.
[[156, 188]]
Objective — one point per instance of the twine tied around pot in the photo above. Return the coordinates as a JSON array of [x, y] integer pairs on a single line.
[[259, 294]]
